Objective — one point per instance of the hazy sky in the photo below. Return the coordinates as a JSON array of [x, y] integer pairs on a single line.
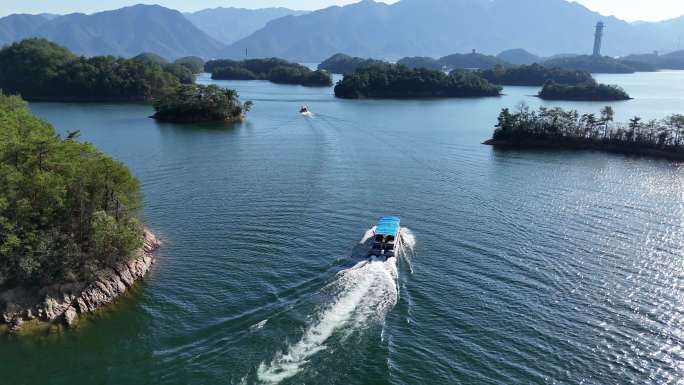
[[651, 10]]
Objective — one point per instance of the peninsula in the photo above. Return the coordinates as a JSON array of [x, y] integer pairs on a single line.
[[71, 239], [43, 71]]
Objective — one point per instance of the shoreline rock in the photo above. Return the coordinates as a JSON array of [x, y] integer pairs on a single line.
[[191, 119], [67, 302], [585, 145]]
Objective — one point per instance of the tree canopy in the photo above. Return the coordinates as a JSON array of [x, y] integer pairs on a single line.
[[534, 75], [40, 70], [345, 64], [66, 209], [193, 63], [273, 69], [198, 103], [397, 81], [588, 91], [151, 57], [557, 127], [455, 61], [600, 64]]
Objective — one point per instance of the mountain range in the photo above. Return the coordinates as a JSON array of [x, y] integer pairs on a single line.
[[142, 28], [122, 32], [229, 25], [431, 28], [439, 27]]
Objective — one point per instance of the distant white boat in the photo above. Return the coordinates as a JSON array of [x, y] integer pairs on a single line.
[[305, 111]]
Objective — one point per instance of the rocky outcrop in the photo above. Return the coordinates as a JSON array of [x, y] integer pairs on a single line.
[[65, 302]]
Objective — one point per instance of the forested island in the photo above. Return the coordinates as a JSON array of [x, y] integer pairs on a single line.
[[184, 68], [534, 75], [275, 70], [40, 70], [670, 61], [599, 64], [472, 60], [398, 81], [344, 64], [199, 103], [71, 240], [193, 63], [519, 56], [559, 128], [587, 91]]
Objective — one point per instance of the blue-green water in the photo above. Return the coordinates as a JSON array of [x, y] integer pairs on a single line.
[[529, 266]]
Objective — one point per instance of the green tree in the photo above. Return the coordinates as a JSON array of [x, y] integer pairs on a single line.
[[193, 63], [40, 70], [398, 81], [198, 103], [56, 195], [607, 116]]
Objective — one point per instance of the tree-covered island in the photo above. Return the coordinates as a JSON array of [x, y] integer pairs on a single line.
[[398, 81], [534, 75], [40, 70], [275, 70], [599, 64], [199, 103], [344, 64], [473, 60], [587, 91], [70, 238], [193, 63], [562, 129]]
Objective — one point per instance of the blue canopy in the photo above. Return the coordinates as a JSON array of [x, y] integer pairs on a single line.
[[388, 226]]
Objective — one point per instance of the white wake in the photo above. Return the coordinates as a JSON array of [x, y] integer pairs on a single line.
[[362, 294]]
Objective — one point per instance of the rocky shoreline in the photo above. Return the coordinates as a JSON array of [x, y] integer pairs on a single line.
[[66, 302], [585, 145], [197, 119]]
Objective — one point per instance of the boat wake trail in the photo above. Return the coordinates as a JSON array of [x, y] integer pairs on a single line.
[[361, 295]]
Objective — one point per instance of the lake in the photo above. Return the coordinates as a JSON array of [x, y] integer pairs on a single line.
[[545, 267]]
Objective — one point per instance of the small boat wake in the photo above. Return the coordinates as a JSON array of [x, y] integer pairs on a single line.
[[361, 295], [304, 110]]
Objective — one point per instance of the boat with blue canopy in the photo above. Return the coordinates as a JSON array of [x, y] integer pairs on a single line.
[[385, 238]]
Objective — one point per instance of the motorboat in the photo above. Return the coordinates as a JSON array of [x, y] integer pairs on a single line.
[[304, 110], [385, 237]]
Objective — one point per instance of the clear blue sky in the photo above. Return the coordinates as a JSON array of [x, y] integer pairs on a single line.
[[650, 10]]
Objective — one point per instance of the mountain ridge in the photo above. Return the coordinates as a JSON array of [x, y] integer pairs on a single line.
[[124, 32], [243, 21], [435, 28], [407, 28]]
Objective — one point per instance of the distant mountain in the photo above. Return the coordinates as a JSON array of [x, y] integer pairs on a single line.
[[519, 57], [229, 25], [670, 31], [122, 32], [435, 28], [18, 27]]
